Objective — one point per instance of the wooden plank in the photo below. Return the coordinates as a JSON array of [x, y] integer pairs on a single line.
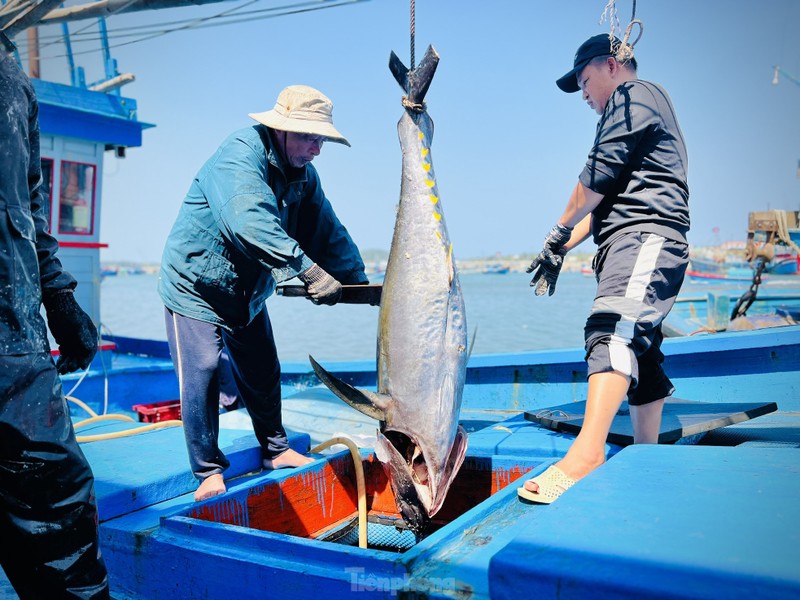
[[680, 419]]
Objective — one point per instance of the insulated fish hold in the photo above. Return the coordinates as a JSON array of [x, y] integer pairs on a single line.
[[422, 332]]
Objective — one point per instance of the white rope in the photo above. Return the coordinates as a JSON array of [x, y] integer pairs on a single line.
[[783, 229], [610, 13], [624, 51]]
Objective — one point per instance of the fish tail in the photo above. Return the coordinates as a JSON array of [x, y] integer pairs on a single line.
[[417, 81]]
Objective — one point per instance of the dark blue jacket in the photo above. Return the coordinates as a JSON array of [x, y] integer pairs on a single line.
[[246, 224], [28, 262]]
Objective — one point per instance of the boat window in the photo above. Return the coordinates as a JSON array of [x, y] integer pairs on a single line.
[[47, 189], [76, 201]]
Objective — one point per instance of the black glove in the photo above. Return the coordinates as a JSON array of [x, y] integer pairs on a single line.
[[549, 261], [322, 288], [72, 329]]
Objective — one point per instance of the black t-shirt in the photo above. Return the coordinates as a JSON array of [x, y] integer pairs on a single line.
[[639, 163]]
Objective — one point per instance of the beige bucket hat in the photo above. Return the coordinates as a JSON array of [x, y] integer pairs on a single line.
[[302, 109]]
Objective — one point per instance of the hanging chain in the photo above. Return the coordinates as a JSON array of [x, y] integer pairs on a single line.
[[744, 303]]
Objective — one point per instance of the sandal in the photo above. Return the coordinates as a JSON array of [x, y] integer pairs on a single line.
[[552, 483]]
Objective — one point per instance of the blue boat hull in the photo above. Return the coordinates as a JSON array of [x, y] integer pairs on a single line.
[[715, 368]]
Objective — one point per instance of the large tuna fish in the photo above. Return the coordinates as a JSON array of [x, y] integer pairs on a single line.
[[422, 333]]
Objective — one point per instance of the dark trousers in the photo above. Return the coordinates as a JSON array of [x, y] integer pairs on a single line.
[[48, 516], [195, 347], [639, 276]]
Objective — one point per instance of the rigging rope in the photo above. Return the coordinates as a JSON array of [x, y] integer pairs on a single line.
[[227, 17], [624, 52], [782, 221]]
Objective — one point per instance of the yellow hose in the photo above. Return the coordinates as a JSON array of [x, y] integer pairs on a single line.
[[362, 494], [116, 434], [97, 418], [128, 432], [82, 404]]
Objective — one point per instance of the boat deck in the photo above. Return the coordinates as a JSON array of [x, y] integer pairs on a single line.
[[713, 519], [660, 521], [664, 522]]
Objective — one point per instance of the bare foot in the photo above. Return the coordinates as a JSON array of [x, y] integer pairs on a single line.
[[211, 486], [287, 460]]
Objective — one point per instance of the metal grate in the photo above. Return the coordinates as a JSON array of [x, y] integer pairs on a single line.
[[382, 534]]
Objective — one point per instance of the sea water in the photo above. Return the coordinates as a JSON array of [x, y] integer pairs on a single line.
[[503, 316]]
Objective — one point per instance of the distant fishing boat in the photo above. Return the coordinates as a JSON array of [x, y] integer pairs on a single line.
[[496, 269], [739, 270], [697, 270], [772, 236]]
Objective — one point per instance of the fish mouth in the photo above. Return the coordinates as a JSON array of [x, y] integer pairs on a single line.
[[414, 462], [420, 483]]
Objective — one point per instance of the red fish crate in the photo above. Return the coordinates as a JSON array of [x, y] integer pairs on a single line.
[[158, 411]]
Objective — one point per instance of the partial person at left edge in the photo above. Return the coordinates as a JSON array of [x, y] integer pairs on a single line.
[[48, 512]]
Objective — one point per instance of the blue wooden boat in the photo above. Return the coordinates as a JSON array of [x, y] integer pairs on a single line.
[[772, 236], [740, 270], [497, 269], [714, 518], [712, 312]]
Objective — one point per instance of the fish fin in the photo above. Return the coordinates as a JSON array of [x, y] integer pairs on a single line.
[[399, 70], [420, 78], [472, 342], [416, 81], [371, 404]]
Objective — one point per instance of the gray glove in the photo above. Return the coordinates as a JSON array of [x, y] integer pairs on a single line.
[[550, 260], [72, 329], [322, 288]]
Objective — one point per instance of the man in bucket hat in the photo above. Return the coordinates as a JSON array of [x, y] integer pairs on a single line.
[[255, 215], [633, 197]]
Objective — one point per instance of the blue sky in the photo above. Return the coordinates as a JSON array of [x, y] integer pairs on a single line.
[[508, 145]]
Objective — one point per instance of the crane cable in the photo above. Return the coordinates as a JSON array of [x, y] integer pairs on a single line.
[[413, 31]]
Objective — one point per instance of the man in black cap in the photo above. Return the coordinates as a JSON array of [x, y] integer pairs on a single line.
[[632, 197]]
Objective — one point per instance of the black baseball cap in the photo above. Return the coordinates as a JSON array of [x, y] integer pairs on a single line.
[[598, 45]]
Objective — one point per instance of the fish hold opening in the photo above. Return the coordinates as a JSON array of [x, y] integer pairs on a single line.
[[320, 502]]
